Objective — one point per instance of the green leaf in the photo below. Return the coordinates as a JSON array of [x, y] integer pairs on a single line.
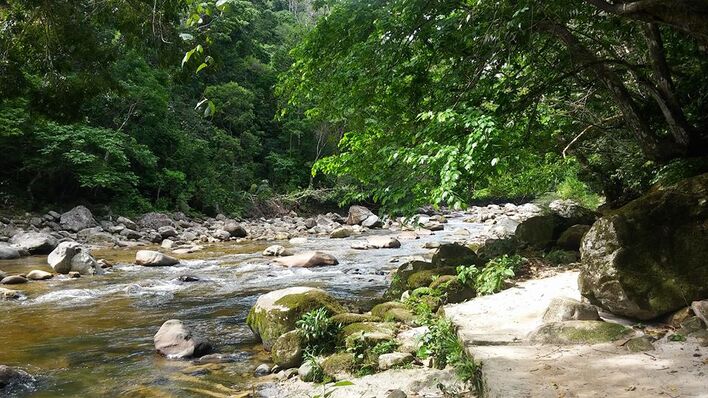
[[200, 67]]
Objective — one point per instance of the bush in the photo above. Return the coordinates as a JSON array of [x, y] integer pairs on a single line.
[[318, 330], [491, 278]]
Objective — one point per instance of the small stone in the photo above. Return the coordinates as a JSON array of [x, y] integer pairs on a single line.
[[39, 275], [154, 258], [8, 294], [568, 309], [700, 308], [262, 370], [396, 394], [342, 232], [74, 274], [167, 243], [276, 251], [175, 340], [306, 371], [639, 344], [308, 259], [188, 278]]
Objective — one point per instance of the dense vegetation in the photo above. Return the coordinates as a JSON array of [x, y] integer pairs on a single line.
[[97, 107], [187, 105]]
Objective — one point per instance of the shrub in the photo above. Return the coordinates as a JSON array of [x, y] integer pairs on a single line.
[[318, 330]]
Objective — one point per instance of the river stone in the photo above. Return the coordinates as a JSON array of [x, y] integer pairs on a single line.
[[77, 219], [9, 294], [570, 238], [39, 275], [454, 254], [262, 370], [394, 359], [14, 379], [700, 308], [275, 313], [35, 242], [13, 280], [639, 344], [372, 221], [357, 214], [155, 221], [367, 333], [175, 341], [347, 318], [220, 234], [154, 258], [537, 231], [568, 309], [71, 256], [647, 258], [579, 332], [276, 251], [339, 366], [571, 213], [8, 252], [287, 350], [128, 223], [383, 242], [84, 263], [453, 291], [235, 230], [130, 234], [167, 231], [308, 259], [342, 232], [412, 339]]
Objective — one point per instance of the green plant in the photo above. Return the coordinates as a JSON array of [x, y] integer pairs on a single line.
[[318, 330], [384, 347], [467, 275], [326, 391], [440, 344], [498, 269]]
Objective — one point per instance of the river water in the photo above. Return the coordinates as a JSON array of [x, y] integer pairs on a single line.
[[92, 336]]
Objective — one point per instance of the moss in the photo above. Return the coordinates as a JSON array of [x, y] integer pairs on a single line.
[[339, 364], [287, 350], [403, 315], [347, 318], [442, 280], [454, 254], [425, 278], [580, 332], [269, 325], [366, 333], [381, 309]]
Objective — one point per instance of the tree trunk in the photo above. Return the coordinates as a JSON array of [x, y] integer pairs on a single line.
[[649, 143]]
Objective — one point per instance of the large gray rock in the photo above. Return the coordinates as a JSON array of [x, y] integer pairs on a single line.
[[73, 257], [39, 275], [155, 220], [570, 238], [537, 231], [342, 232], [388, 361], [77, 219], [649, 257], [579, 332], [8, 252], [288, 349], [128, 223], [154, 258], [357, 214], [13, 280], [35, 242], [175, 341], [308, 259]]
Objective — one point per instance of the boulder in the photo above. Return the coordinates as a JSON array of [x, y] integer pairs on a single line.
[[275, 313], [700, 308], [579, 332], [454, 254], [372, 221], [128, 223], [412, 339], [13, 380], [307, 371], [39, 275], [154, 258], [235, 230], [72, 257], [130, 234], [13, 280], [347, 318], [220, 234], [357, 214], [155, 221], [287, 350], [339, 366], [366, 334], [647, 258], [34, 242], [308, 259], [8, 252], [537, 231], [262, 370], [175, 341], [570, 238], [571, 213], [276, 251], [77, 219], [382, 242], [639, 344], [394, 359], [453, 291], [167, 231], [568, 309], [342, 232]]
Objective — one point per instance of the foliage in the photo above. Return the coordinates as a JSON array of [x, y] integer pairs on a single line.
[[480, 99], [440, 344], [328, 390], [491, 278], [318, 330]]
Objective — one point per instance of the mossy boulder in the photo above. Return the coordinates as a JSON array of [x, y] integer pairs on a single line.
[[339, 366], [425, 278], [538, 231], [647, 258], [579, 332], [275, 313], [347, 318], [367, 333], [492, 248], [399, 280], [454, 254], [452, 290], [380, 310], [287, 350]]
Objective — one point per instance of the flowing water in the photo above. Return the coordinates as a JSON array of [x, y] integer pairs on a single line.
[[92, 336]]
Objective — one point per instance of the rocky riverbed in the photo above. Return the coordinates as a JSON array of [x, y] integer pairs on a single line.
[[79, 314]]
